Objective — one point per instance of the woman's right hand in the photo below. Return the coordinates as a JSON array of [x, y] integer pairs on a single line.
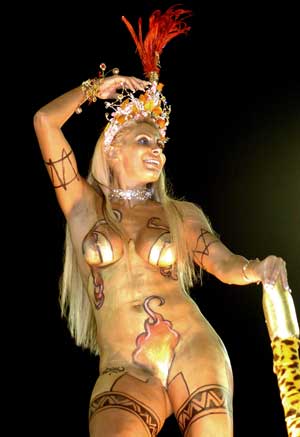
[[110, 84]]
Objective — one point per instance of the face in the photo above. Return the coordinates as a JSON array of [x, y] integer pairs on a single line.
[[140, 155]]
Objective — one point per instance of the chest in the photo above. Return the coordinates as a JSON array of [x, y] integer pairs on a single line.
[[147, 230]]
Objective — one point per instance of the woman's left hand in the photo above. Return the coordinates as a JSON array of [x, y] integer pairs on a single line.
[[270, 270]]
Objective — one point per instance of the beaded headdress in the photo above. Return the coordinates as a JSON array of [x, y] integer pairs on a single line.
[[152, 103]]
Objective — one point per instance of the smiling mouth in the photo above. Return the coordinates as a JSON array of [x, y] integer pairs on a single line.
[[153, 162]]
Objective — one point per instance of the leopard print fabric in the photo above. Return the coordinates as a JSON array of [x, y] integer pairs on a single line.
[[287, 368]]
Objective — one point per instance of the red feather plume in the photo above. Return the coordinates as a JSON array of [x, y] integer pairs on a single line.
[[162, 28]]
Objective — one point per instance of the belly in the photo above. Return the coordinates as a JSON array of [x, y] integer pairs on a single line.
[[127, 284], [149, 332], [145, 319]]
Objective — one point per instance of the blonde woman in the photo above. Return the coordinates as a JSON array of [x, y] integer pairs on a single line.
[[132, 253]]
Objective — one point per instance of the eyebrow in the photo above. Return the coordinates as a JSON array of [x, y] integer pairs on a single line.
[[143, 135]]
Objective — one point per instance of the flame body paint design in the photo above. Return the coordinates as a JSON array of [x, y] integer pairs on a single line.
[[155, 348], [98, 288]]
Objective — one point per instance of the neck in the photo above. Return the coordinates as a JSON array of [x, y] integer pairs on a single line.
[[131, 194]]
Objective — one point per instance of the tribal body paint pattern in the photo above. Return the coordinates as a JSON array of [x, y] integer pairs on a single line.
[[210, 399], [58, 170], [203, 242], [125, 402]]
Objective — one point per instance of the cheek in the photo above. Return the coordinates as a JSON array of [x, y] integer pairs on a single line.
[[132, 161]]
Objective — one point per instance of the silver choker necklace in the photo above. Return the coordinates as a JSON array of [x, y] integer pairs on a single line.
[[134, 194]]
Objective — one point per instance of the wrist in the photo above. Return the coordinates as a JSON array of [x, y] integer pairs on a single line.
[[90, 89], [248, 271]]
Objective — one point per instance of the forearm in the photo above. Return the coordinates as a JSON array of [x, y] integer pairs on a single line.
[[57, 153], [237, 270], [59, 110]]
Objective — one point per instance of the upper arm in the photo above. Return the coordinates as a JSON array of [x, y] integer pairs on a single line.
[[60, 163], [208, 250]]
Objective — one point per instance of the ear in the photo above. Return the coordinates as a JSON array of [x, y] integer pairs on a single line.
[[113, 153]]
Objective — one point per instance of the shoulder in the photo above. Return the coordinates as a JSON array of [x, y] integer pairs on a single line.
[[89, 203], [193, 215]]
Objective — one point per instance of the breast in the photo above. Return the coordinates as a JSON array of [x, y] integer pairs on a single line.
[[158, 250], [102, 246]]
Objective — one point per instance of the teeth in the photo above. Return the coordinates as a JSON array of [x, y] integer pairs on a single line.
[[152, 161]]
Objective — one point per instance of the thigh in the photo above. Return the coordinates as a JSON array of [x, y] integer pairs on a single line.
[[200, 387], [127, 404]]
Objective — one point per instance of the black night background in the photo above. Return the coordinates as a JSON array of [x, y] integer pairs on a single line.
[[234, 86]]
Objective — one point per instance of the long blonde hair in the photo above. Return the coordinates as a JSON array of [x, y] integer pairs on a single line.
[[74, 302]]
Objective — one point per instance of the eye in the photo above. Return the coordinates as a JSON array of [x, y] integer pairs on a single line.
[[144, 141]]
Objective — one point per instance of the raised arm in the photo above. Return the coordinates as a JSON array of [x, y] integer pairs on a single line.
[[57, 153]]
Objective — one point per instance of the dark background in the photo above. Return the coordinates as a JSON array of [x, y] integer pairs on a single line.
[[234, 86]]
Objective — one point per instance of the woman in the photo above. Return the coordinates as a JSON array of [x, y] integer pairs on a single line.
[[132, 253]]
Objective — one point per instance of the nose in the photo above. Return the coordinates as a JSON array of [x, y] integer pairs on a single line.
[[156, 150]]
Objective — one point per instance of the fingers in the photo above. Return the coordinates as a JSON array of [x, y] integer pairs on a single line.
[[133, 83], [270, 273], [284, 278], [274, 269], [110, 85]]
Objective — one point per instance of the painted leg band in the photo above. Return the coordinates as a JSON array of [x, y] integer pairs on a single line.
[[126, 402], [210, 399]]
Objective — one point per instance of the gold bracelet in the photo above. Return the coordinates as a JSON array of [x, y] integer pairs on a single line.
[[90, 89], [244, 268]]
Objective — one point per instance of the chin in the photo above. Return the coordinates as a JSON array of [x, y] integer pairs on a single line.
[[152, 179], [154, 174]]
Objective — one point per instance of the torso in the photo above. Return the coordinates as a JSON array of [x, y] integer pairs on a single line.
[[142, 313]]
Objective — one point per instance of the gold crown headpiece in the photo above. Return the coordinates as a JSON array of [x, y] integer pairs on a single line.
[[152, 103]]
